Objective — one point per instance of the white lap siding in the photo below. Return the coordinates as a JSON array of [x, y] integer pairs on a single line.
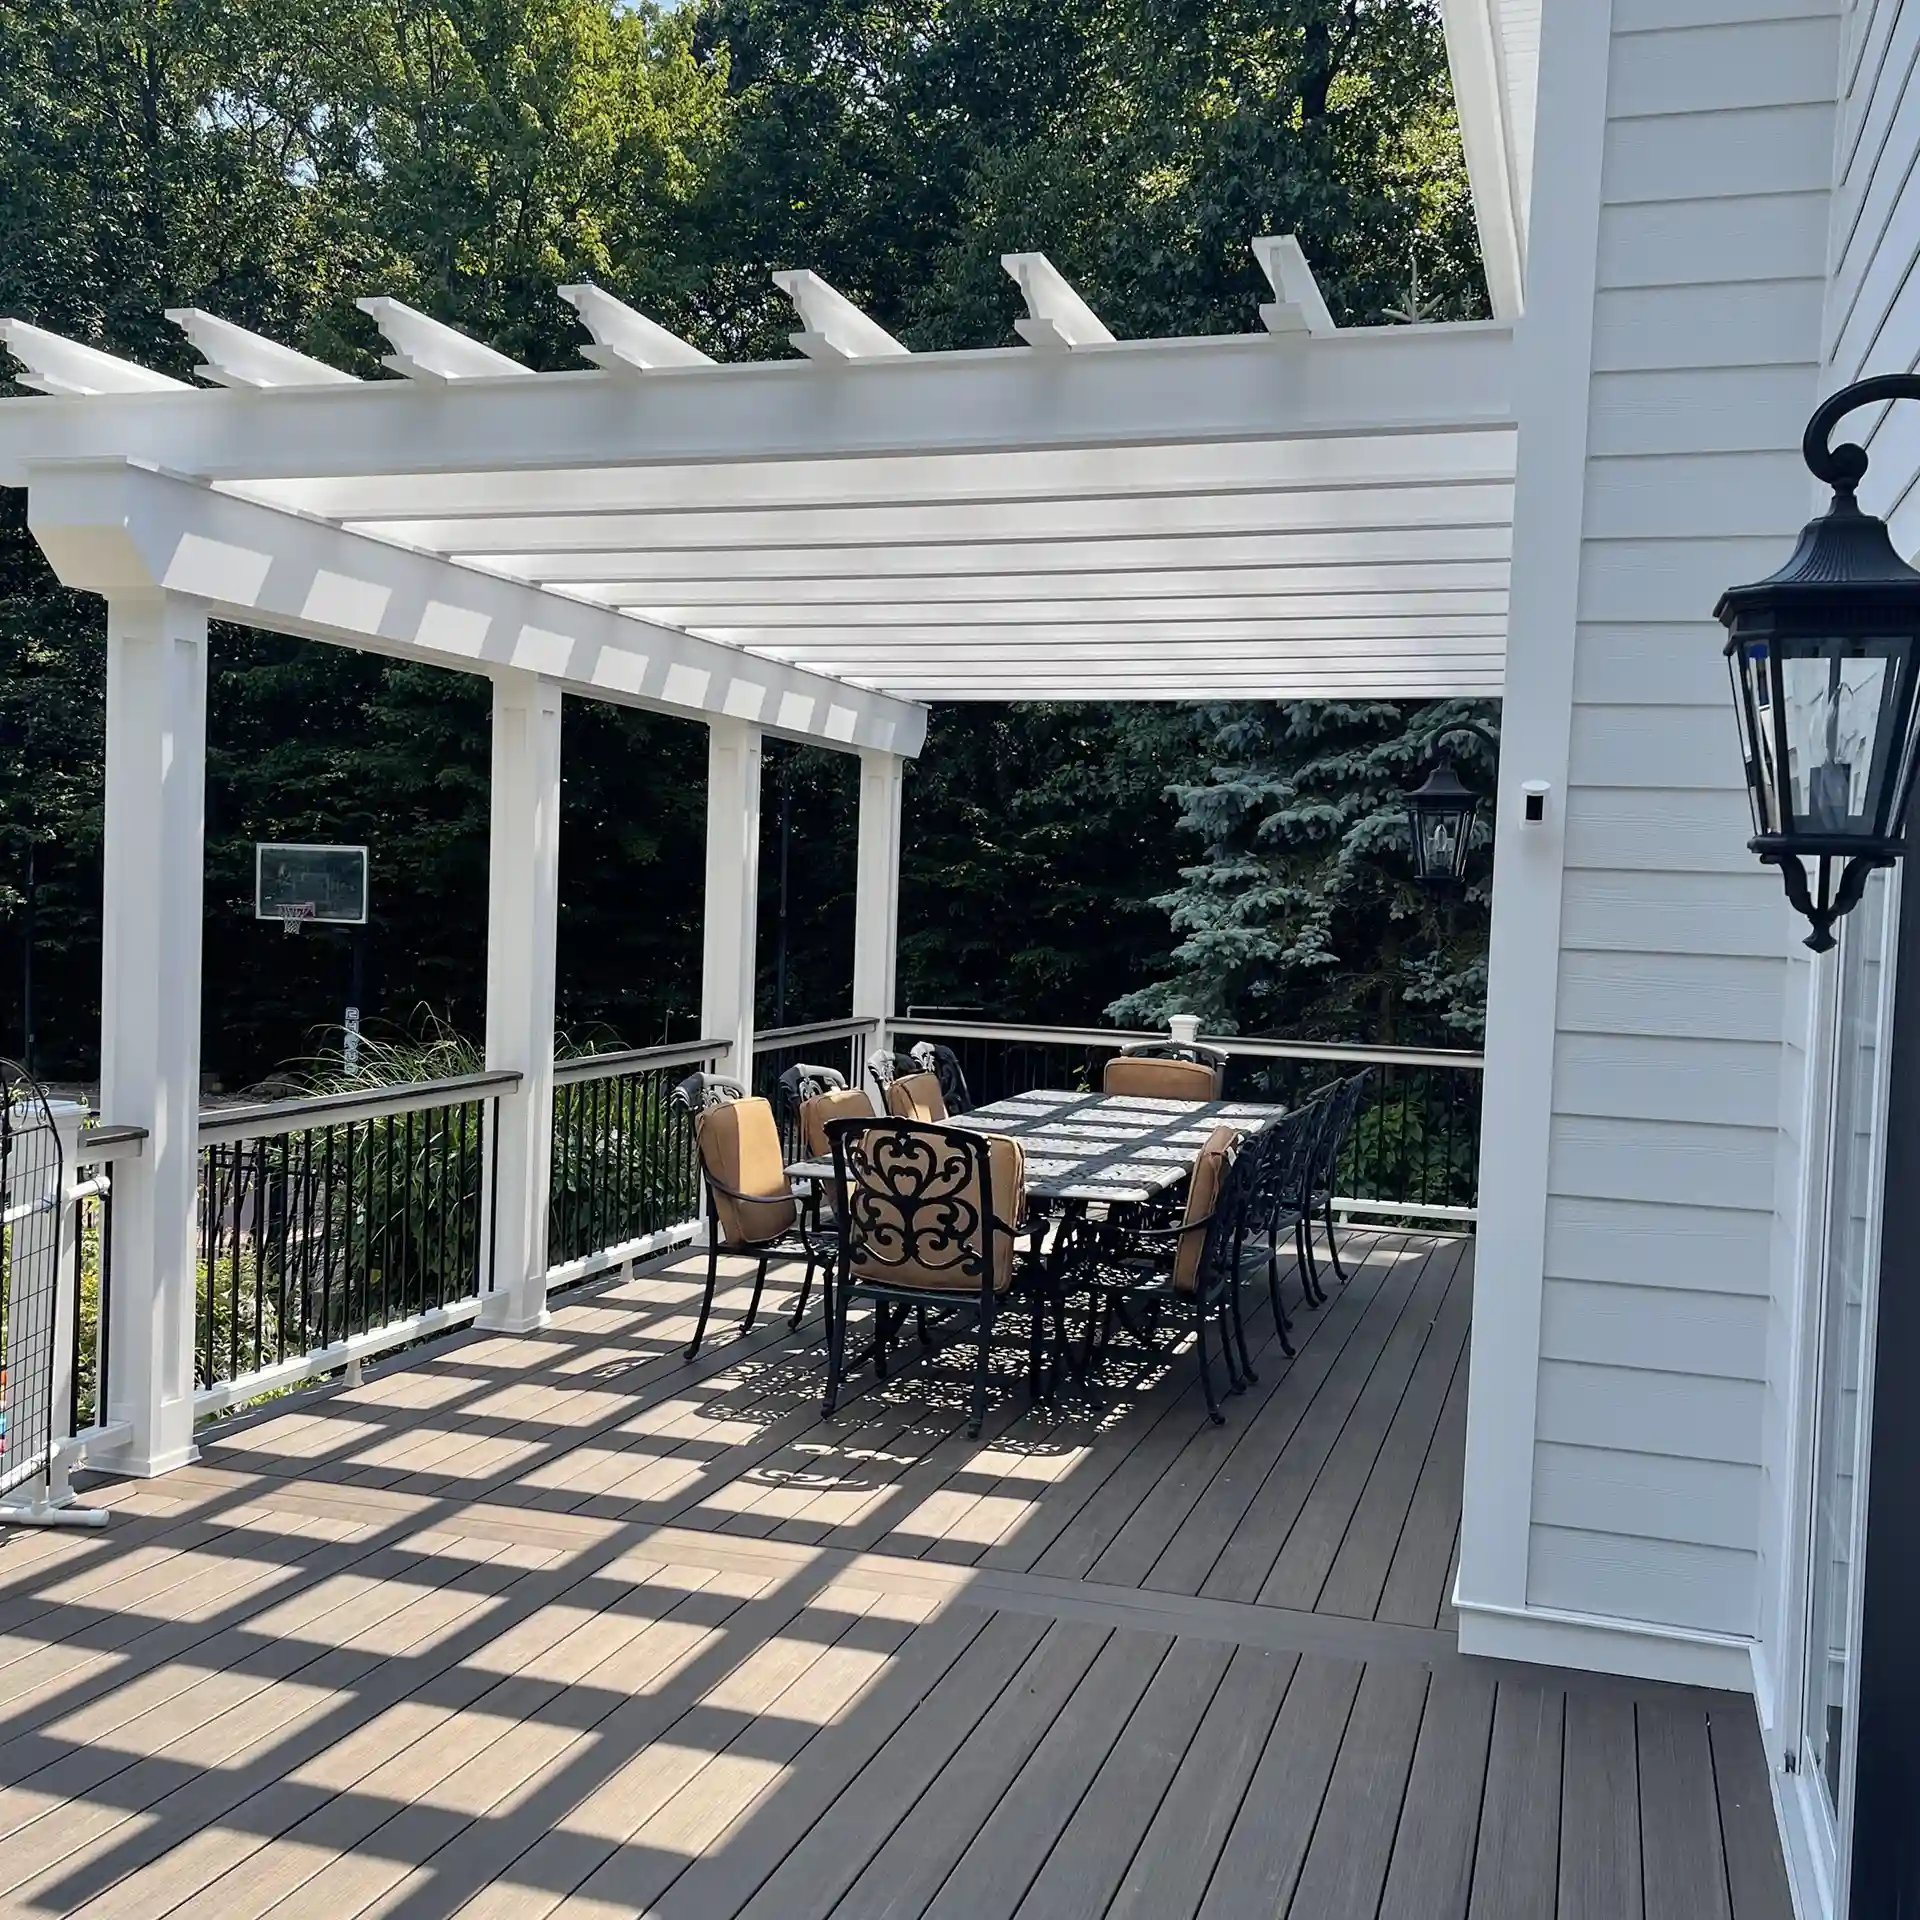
[[1652, 1422]]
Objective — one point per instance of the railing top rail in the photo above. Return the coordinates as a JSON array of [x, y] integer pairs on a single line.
[[778, 1037], [271, 1117], [98, 1145], [1242, 1046], [604, 1066]]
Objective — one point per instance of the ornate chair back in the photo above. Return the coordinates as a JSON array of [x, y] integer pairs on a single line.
[[1342, 1110], [884, 1069], [699, 1092], [928, 1208]]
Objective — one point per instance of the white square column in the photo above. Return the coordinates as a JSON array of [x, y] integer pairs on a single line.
[[523, 904], [150, 1016], [876, 909], [733, 893]]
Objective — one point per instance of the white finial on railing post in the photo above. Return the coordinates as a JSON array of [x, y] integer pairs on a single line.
[[1184, 1027]]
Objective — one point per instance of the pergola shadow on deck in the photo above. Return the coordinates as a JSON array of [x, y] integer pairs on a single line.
[[559, 1624]]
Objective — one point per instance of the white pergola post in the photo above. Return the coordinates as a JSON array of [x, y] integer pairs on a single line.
[[150, 1014], [523, 898], [876, 909], [733, 893]]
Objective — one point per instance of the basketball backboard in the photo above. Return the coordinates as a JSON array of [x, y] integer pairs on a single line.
[[295, 883]]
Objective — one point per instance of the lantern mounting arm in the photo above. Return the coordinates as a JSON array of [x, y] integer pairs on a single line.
[[1479, 728], [1842, 467]]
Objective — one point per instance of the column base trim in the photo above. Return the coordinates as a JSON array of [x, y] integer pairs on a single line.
[[127, 1465], [505, 1313], [1544, 1636]]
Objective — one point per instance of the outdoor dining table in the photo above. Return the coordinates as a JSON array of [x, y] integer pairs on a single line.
[[1085, 1149], [1122, 1149]]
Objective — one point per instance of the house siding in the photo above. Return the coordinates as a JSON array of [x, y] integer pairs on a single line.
[[1658, 1310]]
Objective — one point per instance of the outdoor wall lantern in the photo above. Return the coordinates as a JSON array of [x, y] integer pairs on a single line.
[[1440, 814], [1824, 656]]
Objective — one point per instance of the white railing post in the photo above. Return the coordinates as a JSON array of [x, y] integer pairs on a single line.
[[150, 1014], [523, 898], [733, 893], [876, 911]]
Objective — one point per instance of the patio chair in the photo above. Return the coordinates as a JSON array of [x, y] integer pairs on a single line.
[[1165, 1070], [931, 1220], [1194, 1261], [944, 1064], [831, 1103], [799, 1084], [1341, 1109], [884, 1069], [1278, 1203], [750, 1204], [917, 1096]]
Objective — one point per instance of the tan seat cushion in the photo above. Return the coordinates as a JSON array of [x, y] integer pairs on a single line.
[[1203, 1190], [740, 1148], [916, 1096], [847, 1103], [1151, 1079], [916, 1215]]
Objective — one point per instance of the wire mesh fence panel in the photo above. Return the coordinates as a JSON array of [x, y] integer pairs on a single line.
[[623, 1163], [311, 1235], [92, 1280], [32, 1194]]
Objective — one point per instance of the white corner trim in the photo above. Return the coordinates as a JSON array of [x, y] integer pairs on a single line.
[[1544, 1636], [1552, 374]]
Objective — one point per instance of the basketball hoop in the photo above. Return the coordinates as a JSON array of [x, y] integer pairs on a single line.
[[293, 914]]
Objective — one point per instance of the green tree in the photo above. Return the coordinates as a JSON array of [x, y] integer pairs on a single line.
[[1302, 916]]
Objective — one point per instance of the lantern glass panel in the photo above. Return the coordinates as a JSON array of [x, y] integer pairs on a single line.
[[1440, 837], [1837, 700], [1746, 662]]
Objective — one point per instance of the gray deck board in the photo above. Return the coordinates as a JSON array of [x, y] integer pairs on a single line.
[[1430, 1876], [1516, 1869], [1684, 1869], [562, 1625], [1600, 1870]]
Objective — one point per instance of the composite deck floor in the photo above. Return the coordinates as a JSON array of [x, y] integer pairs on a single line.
[[561, 1625]]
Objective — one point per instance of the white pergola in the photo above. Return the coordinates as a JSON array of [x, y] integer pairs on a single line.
[[809, 548]]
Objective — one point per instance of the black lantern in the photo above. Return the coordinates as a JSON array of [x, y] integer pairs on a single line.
[[1440, 816], [1824, 656]]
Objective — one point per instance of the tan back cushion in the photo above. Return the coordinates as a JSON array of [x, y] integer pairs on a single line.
[[847, 1103], [740, 1148], [1151, 1079], [916, 1096], [1209, 1171], [916, 1215]]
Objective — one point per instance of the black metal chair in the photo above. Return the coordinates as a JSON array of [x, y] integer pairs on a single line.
[[931, 1219], [1194, 1261], [800, 1083], [751, 1207], [944, 1064], [1341, 1108], [884, 1069], [1277, 1203]]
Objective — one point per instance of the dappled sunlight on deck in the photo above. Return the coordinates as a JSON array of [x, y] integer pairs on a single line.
[[562, 1624]]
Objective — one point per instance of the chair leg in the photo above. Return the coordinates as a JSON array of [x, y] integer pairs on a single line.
[[1214, 1414], [882, 1336], [1280, 1320], [1234, 1383], [806, 1287], [978, 1418], [1240, 1335], [1333, 1244], [1037, 1298], [836, 1312], [706, 1299], [1309, 1274], [925, 1327], [753, 1305]]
